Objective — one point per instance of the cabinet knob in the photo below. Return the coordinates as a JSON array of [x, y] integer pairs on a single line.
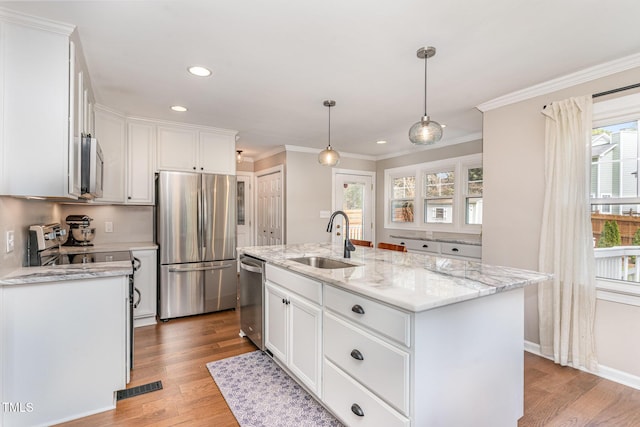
[[201, 169], [129, 197], [455, 250], [284, 301], [402, 243], [194, 168], [357, 309], [425, 246], [356, 409], [356, 354]]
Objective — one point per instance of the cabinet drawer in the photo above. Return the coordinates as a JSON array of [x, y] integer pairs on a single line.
[[308, 288], [342, 393], [387, 321], [422, 246], [455, 249], [381, 367]]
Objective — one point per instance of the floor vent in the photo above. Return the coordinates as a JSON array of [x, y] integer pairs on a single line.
[[138, 390]]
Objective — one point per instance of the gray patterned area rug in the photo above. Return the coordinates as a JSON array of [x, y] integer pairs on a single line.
[[260, 393]]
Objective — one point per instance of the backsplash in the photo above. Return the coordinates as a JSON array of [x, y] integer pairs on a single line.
[[129, 223], [17, 215]]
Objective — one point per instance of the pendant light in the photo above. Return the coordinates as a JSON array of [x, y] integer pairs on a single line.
[[239, 156], [426, 131], [329, 156]]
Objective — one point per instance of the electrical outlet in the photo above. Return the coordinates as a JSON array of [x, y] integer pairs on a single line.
[[108, 227], [10, 241]]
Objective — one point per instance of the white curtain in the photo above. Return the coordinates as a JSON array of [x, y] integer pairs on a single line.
[[566, 304]]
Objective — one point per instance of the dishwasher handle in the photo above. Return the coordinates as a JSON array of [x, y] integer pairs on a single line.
[[251, 268]]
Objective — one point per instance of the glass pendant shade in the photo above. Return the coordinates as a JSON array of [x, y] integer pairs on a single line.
[[425, 132], [329, 157]]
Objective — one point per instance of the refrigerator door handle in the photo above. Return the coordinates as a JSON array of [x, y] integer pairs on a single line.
[[188, 269]]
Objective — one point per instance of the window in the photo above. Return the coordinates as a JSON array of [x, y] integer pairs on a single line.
[[404, 191], [473, 196], [438, 196], [615, 190], [441, 195]]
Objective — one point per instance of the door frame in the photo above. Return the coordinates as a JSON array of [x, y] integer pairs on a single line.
[[258, 174], [251, 180], [370, 174]]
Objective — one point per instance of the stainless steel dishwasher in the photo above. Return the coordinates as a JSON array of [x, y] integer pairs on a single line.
[[251, 297]]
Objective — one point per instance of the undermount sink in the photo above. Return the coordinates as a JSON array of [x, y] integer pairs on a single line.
[[322, 262]]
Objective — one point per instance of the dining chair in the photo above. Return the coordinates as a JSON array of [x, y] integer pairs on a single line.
[[366, 243], [392, 247]]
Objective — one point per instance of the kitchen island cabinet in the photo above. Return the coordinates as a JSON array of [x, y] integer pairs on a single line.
[[62, 342], [415, 340]]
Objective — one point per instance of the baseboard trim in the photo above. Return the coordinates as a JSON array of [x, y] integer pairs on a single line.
[[605, 372]]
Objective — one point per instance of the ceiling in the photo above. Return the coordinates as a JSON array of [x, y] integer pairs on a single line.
[[274, 62]]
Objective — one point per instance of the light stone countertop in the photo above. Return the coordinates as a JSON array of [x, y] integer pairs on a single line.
[[413, 282], [56, 273]]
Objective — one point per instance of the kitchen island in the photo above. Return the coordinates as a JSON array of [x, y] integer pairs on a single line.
[[399, 338], [63, 341]]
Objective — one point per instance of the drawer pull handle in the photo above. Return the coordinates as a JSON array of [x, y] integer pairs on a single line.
[[425, 246], [357, 309], [455, 250], [356, 409], [357, 355]]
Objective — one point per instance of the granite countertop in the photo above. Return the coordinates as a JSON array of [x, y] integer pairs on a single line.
[[56, 273], [413, 282], [440, 239]]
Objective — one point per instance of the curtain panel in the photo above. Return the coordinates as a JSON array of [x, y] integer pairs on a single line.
[[566, 304]]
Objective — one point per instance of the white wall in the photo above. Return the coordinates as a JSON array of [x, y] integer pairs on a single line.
[[513, 160], [18, 215], [308, 191]]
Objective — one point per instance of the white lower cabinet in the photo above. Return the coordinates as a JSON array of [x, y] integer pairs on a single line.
[[355, 404], [146, 284], [293, 325]]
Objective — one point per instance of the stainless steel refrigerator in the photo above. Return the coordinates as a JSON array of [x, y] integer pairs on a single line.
[[196, 235]]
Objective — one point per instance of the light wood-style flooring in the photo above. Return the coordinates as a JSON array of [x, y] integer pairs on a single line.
[[176, 353]]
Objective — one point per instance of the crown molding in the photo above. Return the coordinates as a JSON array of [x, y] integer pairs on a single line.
[[569, 80], [15, 17], [412, 149]]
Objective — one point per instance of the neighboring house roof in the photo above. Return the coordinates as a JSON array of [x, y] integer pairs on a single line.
[[601, 150], [600, 139]]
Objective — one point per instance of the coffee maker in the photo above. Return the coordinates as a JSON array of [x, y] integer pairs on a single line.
[[80, 231]]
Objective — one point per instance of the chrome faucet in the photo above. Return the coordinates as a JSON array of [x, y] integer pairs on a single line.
[[348, 246]]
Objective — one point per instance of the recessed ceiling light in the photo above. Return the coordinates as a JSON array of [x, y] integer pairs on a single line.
[[179, 108], [381, 142], [196, 70], [443, 125]]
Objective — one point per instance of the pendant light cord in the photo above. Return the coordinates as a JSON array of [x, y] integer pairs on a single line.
[[329, 126], [425, 85]]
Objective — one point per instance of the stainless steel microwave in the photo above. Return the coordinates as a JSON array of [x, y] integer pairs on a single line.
[[91, 168]]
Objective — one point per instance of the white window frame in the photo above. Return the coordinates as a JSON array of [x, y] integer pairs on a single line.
[[610, 112], [459, 165]]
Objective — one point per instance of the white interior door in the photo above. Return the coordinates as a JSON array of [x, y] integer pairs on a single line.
[[244, 194], [270, 209], [354, 194]]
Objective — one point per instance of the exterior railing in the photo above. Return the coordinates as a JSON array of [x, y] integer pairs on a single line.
[[618, 262]]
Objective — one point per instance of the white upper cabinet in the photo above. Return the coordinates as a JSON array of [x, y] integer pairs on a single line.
[[141, 144], [39, 66], [111, 133], [177, 149], [196, 149]]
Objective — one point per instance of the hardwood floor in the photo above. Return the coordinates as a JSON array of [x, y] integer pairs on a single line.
[[176, 353]]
